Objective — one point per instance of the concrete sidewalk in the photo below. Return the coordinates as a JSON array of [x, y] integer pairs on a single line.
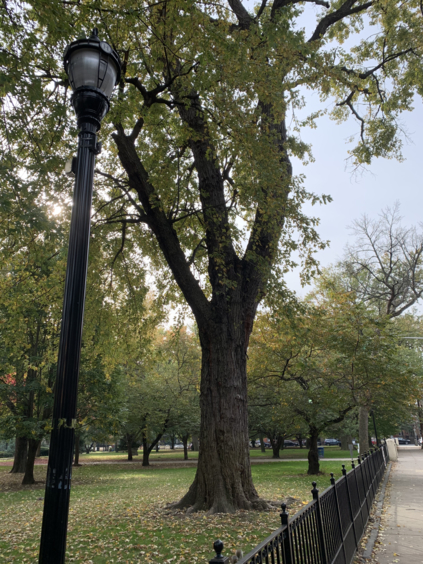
[[401, 534]]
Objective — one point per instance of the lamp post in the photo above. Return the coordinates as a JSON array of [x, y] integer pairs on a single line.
[[93, 68]]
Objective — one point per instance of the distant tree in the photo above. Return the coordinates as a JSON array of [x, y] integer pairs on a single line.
[[182, 354], [31, 292], [328, 357], [270, 412], [384, 267]]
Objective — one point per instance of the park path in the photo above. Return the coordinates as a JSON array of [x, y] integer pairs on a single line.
[[401, 535]]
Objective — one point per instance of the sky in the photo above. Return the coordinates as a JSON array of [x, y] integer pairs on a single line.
[[381, 185]]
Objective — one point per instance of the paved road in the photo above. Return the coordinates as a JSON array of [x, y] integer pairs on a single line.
[[402, 534]]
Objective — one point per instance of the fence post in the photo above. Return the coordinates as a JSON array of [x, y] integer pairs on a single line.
[[364, 479], [320, 527], [358, 491], [344, 473], [218, 559], [287, 546], [369, 474], [374, 466], [338, 512]]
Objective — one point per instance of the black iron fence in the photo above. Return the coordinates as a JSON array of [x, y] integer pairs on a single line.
[[328, 530]]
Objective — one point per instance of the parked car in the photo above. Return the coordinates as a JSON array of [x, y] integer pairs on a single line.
[[402, 441], [289, 443], [332, 442]]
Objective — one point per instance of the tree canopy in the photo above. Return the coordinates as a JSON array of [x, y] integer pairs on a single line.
[[196, 171]]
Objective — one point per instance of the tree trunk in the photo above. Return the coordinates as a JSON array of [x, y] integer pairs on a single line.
[[129, 443], [185, 443], [223, 481], [157, 447], [145, 451], [195, 443], [300, 440], [76, 455], [262, 445], [276, 443], [88, 448], [30, 460], [37, 454], [345, 441], [363, 429], [21, 453], [172, 441], [313, 453]]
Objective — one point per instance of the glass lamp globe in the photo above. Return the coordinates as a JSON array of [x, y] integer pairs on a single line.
[[92, 64]]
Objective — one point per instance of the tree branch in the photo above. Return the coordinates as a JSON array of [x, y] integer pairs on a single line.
[[161, 225], [279, 4], [344, 11], [241, 13]]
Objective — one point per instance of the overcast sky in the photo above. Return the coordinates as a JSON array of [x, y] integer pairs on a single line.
[[385, 182]]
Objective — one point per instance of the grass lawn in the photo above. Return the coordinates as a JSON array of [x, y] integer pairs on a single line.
[[178, 454], [118, 514]]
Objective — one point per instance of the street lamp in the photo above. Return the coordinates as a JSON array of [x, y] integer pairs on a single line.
[[93, 68]]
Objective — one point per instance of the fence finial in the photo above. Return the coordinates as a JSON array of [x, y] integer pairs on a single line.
[[352, 464], [219, 559], [344, 472], [218, 548], [332, 479], [315, 491], [284, 515]]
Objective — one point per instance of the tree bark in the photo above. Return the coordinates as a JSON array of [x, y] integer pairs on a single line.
[[88, 448], [195, 443], [223, 483], [185, 443], [145, 451], [276, 443], [275, 450], [313, 453], [21, 453], [363, 429], [345, 441], [262, 445], [129, 443], [30, 460], [76, 455], [300, 440]]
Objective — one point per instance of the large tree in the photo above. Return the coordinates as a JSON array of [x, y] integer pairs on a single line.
[[203, 179]]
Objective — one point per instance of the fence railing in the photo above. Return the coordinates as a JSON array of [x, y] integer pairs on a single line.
[[328, 530]]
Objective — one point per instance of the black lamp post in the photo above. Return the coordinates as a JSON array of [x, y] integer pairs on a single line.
[[93, 68]]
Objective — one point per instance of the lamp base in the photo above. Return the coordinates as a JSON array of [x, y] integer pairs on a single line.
[[90, 106]]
